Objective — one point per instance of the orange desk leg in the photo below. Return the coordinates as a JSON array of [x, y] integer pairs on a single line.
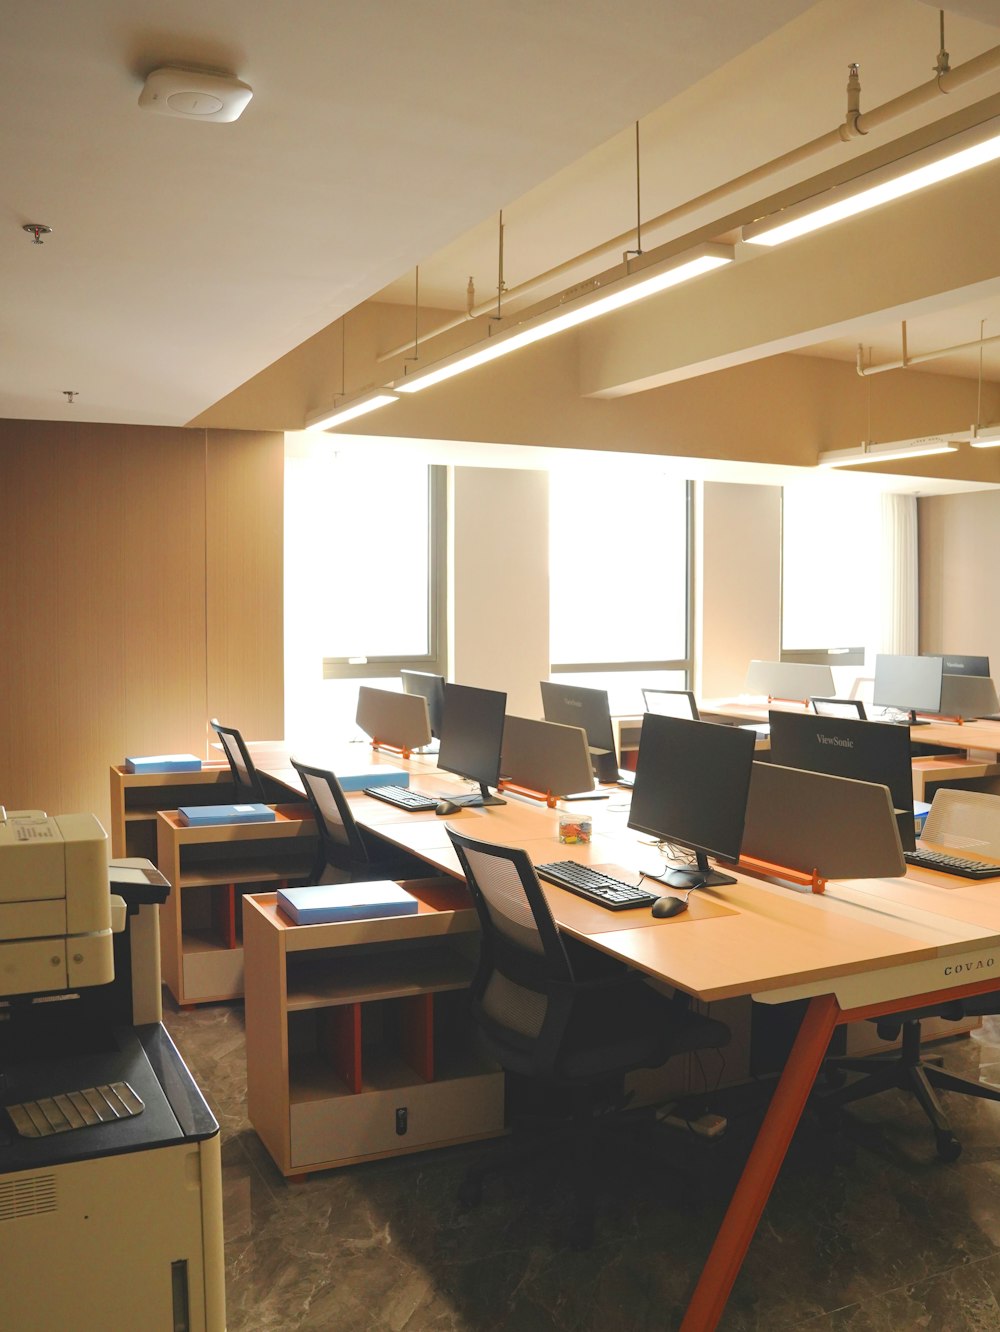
[[761, 1170]]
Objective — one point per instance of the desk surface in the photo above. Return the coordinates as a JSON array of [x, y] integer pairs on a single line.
[[861, 949], [982, 736], [771, 941]]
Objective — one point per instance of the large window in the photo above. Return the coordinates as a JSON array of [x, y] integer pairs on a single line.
[[831, 564], [619, 581], [365, 555]]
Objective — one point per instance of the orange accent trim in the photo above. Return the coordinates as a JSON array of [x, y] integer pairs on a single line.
[[765, 869], [761, 1170], [776, 698], [401, 750], [547, 796], [941, 716], [224, 913], [416, 1034], [340, 1039], [890, 1006]]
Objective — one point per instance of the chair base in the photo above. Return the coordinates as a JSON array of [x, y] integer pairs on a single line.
[[590, 1111], [906, 1071]]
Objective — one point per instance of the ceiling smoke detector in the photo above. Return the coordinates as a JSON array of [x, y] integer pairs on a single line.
[[194, 94]]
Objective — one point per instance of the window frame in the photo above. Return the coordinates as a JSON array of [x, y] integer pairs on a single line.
[[434, 660]]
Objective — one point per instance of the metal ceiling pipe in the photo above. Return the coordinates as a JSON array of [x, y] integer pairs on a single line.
[[936, 355], [855, 124]]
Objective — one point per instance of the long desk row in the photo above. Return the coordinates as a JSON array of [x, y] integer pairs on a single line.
[[862, 949]]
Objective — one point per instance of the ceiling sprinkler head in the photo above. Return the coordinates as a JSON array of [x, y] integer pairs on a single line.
[[70, 395], [38, 230]]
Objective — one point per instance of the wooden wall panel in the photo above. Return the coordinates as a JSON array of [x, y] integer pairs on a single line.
[[164, 574], [245, 581], [90, 626], [103, 579], [29, 613]]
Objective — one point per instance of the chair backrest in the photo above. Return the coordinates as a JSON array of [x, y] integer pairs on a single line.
[[245, 776], [522, 992], [671, 703], [964, 821], [340, 837]]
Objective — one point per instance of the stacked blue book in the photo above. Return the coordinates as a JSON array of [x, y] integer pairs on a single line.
[[163, 763], [346, 901], [203, 816]]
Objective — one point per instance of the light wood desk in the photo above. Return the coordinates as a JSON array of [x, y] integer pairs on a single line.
[[863, 949]]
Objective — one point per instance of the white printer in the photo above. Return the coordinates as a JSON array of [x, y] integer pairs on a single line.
[[56, 908], [110, 1164]]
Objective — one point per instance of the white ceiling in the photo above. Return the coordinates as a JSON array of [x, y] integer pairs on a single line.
[[186, 257]]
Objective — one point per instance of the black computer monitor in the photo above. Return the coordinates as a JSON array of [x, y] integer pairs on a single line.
[[953, 663], [576, 705], [430, 687], [692, 779], [472, 738], [912, 684], [863, 750]]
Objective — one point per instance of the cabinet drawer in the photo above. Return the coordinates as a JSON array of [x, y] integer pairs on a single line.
[[349, 1127], [216, 974]]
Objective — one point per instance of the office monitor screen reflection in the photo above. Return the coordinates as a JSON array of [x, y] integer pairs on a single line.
[[692, 780]]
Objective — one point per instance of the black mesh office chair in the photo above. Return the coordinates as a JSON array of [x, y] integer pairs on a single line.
[[560, 1014], [344, 849], [959, 817], [246, 780]]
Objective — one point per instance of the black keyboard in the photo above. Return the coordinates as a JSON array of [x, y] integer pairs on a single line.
[[402, 797], [615, 894], [948, 864]]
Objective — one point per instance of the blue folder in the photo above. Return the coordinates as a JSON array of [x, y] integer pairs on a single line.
[[163, 763], [202, 816], [357, 781], [346, 901]]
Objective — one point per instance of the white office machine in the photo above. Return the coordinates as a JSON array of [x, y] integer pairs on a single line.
[[110, 1176]]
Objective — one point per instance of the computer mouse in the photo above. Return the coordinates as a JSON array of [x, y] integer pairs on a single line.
[[668, 906], [446, 807]]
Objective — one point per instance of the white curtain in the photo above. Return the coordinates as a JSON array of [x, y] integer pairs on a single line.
[[900, 605]]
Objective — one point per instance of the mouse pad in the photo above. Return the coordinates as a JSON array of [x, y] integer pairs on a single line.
[[578, 914]]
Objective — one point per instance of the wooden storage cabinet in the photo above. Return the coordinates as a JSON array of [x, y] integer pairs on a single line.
[[209, 870], [359, 1043], [137, 798]]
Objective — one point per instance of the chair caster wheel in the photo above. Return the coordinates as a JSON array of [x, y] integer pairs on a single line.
[[470, 1193], [948, 1146]]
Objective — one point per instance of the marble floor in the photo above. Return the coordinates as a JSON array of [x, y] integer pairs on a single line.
[[890, 1241]]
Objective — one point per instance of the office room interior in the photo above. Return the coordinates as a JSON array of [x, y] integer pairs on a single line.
[[184, 305]]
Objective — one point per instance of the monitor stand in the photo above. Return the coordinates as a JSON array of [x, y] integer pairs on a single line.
[[702, 877], [605, 764], [914, 721], [485, 797]]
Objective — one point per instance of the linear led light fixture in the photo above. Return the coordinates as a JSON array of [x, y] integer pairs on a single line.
[[352, 409], [927, 166], [900, 451], [985, 437], [625, 291]]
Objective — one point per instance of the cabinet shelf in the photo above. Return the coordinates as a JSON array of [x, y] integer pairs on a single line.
[[208, 867], [244, 871], [358, 1043], [318, 983]]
